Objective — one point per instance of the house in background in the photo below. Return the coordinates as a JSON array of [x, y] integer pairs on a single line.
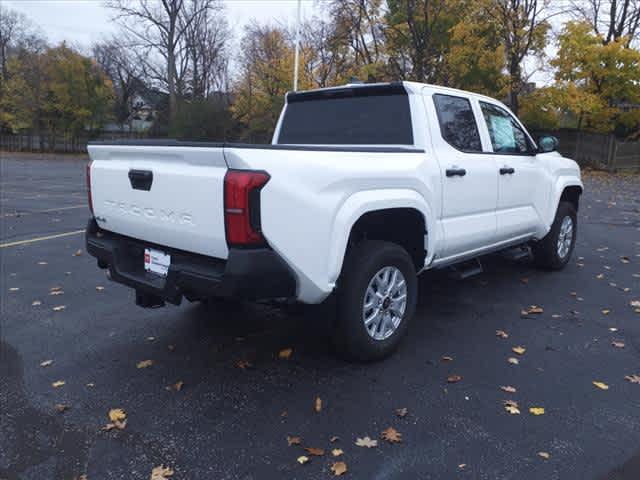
[[144, 110]]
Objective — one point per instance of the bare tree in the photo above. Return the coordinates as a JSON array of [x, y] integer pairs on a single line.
[[612, 19], [327, 60], [358, 24], [523, 26], [206, 41], [418, 35], [158, 30], [125, 73], [16, 32]]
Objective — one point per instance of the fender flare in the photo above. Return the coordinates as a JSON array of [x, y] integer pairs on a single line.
[[561, 184], [367, 201]]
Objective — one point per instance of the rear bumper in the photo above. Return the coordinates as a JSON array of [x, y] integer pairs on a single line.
[[247, 273]]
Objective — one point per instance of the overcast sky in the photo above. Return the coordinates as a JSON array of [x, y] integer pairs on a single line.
[[83, 22]]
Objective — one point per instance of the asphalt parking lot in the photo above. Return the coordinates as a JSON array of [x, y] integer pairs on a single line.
[[239, 401]]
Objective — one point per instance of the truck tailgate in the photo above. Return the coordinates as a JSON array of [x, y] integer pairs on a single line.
[[167, 195]]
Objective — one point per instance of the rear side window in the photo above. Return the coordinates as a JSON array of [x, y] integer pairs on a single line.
[[457, 122], [358, 116]]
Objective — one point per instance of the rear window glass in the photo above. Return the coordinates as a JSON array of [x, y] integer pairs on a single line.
[[348, 118]]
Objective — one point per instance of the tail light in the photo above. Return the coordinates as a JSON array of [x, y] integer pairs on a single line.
[[242, 207], [89, 201]]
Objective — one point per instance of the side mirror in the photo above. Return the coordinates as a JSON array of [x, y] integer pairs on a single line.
[[547, 143]]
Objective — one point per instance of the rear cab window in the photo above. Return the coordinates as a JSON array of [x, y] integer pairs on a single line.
[[368, 115]]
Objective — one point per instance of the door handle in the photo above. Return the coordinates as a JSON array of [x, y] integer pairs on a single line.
[[507, 171], [141, 179], [455, 171]]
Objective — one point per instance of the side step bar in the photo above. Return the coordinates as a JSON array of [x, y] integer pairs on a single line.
[[466, 269]]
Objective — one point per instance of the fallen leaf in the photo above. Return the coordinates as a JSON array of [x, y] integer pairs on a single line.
[[176, 387], [454, 378], [544, 455], [120, 425], [391, 435], [508, 389], [293, 440], [502, 334], [58, 383], [512, 410], [302, 460], [161, 472], [534, 309], [338, 468], [35, 303], [336, 452], [601, 386], [617, 344], [633, 378], [402, 412], [511, 406], [519, 350], [46, 363], [243, 364], [285, 353], [144, 364], [513, 360], [117, 414], [316, 452], [536, 410], [59, 308], [366, 442], [61, 407], [318, 405], [77, 253]]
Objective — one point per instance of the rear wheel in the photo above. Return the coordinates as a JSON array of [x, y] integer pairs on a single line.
[[554, 250], [376, 300]]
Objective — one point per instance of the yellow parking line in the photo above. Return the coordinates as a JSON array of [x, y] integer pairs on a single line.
[[39, 239]]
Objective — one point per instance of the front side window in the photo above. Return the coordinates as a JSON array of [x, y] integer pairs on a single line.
[[457, 122], [506, 134]]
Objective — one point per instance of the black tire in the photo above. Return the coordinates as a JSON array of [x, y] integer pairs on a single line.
[[362, 263], [545, 251]]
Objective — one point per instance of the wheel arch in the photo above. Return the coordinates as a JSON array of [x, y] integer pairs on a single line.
[[566, 188], [383, 215]]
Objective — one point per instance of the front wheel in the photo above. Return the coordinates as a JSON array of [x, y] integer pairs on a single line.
[[554, 250], [377, 295]]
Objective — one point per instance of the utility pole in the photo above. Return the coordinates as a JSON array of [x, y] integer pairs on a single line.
[[297, 55]]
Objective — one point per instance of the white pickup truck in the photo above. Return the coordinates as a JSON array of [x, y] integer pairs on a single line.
[[364, 187]]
